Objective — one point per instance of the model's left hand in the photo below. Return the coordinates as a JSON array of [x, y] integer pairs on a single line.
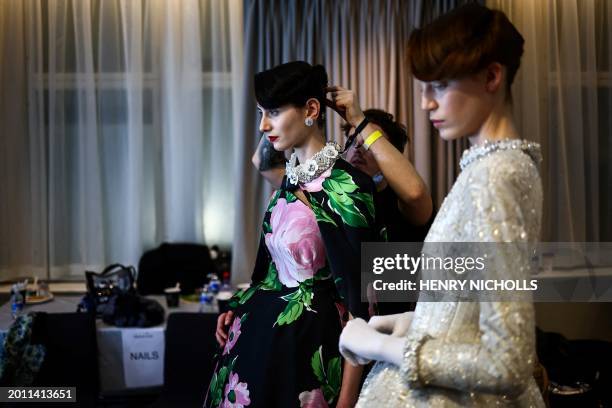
[[360, 343], [396, 324]]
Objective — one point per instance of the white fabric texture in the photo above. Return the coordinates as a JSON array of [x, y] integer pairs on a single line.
[[474, 354], [127, 136]]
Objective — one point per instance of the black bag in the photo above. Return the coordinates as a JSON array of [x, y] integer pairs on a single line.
[[579, 370], [130, 310], [168, 264], [114, 280]]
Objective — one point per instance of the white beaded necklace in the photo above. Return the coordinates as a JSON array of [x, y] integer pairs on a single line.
[[313, 167], [479, 151]]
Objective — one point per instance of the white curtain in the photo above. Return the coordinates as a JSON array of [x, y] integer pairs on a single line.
[[563, 99], [118, 129]]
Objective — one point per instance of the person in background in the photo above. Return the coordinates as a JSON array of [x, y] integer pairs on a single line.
[[407, 218], [403, 217]]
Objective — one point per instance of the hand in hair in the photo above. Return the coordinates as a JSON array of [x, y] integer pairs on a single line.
[[346, 104]]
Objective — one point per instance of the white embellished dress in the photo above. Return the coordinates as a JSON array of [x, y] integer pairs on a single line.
[[474, 354]]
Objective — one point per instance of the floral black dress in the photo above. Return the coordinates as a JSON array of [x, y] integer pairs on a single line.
[[282, 349]]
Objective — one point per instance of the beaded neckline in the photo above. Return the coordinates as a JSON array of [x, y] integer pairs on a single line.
[[478, 152], [313, 167]]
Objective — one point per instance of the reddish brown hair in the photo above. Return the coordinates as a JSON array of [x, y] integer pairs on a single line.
[[463, 42]]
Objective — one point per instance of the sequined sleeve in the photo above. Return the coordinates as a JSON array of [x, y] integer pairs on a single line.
[[503, 206]]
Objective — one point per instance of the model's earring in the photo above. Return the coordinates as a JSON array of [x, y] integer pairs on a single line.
[[308, 122]]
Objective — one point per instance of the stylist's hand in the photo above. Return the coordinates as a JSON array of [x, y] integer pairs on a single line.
[[346, 104], [223, 320]]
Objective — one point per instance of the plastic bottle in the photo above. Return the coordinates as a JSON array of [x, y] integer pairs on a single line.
[[206, 300], [214, 285], [17, 301]]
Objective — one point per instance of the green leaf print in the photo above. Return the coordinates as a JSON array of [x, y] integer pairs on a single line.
[[293, 296], [271, 281], [216, 389], [213, 388], [307, 300], [290, 197], [316, 363], [292, 312], [267, 229], [339, 188], [321, 214], [340, 181], [368, 200], [383, 234], [298, 300], [306, 288], [334, 374], [217, 383], [241, 297], [328, 392], [345, 207], [273, 200], [330, 380]]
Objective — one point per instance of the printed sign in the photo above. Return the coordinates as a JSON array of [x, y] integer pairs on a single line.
[[143, 357]]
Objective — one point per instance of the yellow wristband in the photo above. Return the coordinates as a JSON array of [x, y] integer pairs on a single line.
[[374, 136]]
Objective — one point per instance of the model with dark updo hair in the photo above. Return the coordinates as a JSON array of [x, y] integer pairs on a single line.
[[467, 349], [280, 337]]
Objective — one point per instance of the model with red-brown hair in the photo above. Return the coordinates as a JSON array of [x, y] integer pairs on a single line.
[[457, 353]]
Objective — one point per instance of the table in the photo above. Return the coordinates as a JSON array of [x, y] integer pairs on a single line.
[[128, 358]]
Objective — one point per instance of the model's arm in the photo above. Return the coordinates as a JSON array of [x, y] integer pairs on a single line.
[[414, 199], [349, 391], [269, 162]]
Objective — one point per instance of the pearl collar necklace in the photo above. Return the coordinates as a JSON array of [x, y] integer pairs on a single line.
[[478, 152], [313, 167]]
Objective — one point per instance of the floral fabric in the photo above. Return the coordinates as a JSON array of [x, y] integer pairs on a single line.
[[295, 242], [282, 348]]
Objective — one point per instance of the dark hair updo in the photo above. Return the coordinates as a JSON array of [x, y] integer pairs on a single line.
[[463, 42], [292, 83]]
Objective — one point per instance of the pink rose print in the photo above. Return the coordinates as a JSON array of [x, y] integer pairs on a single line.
[[236, 393], [317, 184], [295, 243], [312, 399], [234, 333]]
